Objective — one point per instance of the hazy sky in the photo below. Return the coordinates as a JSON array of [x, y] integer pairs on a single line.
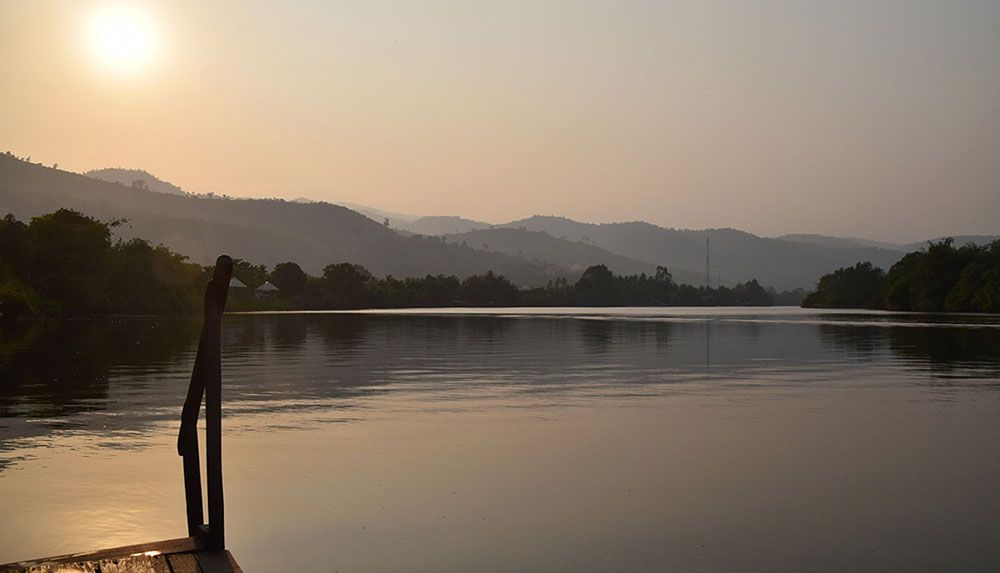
[[871, 118]]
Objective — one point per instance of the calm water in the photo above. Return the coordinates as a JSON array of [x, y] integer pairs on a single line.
[[509, 440]]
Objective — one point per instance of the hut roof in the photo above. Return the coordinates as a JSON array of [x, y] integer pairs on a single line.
[[236, 283], [268, 287]]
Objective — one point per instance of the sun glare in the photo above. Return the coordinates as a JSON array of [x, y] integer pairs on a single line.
[[123, 38]]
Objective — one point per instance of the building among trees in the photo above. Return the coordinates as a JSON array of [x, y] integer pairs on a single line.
[[266, 290]]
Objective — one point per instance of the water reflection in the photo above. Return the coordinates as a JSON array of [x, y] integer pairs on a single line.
[[706, 440], [138, 368], [58, 369]]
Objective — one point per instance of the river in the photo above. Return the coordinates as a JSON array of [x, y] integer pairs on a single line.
[[676, 439]]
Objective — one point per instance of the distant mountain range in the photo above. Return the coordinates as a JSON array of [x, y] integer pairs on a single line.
[[262, 231], [733, 256], [529, 251], [852, 242], [838, 242], [443, 225], [396, 220]]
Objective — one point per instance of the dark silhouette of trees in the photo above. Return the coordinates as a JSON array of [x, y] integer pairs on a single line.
[[152, 280], [290, 278], [597, 287], [427, 292], [68, 256], [860, 286], [66, 264], [346, 285], [488, 290], [13, 244], [792, 297], [937, 278]]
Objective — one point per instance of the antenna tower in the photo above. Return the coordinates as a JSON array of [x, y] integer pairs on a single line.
[[708, 263]]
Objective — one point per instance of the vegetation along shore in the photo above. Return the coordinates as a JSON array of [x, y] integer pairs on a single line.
[[939, 278], [66, 263]]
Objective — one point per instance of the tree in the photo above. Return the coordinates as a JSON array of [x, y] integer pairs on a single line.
[[922, 280], [152, 280], [860, 286], [663, 276], [13, 245], [750, 293], [65, 263], [597, 286], [69, 255], [346, 285], [290, 278], [489, 289]]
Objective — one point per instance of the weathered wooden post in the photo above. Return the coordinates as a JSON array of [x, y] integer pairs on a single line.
[[206, 379]]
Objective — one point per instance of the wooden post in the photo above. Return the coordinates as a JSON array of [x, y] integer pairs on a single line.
[[206, 379]]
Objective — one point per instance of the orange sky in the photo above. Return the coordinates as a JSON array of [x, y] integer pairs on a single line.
[[855, 118]]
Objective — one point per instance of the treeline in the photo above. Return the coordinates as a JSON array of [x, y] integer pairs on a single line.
[[67, 264], [938, 278], [350, 286]]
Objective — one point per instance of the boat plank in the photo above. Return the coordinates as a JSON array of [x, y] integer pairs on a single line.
[[88, 567], [184, 555], [136, 564], [180, 545], [217, 562], [184, 563]]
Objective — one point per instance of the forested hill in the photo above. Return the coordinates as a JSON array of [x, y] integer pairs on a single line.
[[265, 231], [736, 256], [444, 225], [529, 251], [574, 255], [138, 178]]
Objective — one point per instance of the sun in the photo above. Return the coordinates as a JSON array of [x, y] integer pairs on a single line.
[[123, 38]]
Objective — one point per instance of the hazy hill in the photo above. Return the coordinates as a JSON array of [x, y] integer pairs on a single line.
[[838, 242], [736, 256], [959, 241], [396, 220], [129, 176], [530, 251], [443, 225], [265, 231], [542, 246], [851, 242]]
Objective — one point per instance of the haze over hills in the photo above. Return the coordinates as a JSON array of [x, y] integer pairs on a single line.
[[262, 231], [838, 242], [396, 220], [736, 256], [543, 246], [131, 177], [444, 225], [529, 251], [958, 239], [852, 242]]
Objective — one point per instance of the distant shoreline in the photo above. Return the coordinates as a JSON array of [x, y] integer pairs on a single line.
[[539, 311]]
